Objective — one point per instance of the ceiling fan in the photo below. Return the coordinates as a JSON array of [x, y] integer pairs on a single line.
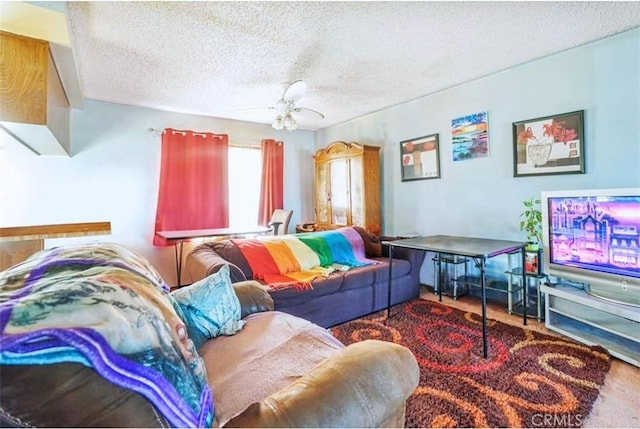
[[286, 107]]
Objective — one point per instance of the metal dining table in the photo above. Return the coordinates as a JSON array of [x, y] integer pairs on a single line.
[[478, 249]]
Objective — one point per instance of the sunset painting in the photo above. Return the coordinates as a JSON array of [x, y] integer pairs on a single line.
[[470, 136]]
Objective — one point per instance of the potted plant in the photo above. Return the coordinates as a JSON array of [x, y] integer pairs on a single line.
[[531, 223]]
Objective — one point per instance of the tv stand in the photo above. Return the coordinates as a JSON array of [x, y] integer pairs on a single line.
[[594, 321]]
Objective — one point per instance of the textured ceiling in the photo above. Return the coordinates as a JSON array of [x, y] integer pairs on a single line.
[[219, 58]]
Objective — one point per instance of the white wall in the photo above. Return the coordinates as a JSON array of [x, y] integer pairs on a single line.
[[481, 197], [113, 174]]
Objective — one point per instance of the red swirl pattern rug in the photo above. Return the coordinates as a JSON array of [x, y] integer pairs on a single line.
[[529, 379]]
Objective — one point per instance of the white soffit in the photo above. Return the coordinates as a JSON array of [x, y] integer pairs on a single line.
[[34, 21]]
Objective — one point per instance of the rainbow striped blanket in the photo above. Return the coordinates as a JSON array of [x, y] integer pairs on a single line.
[[296, 260]]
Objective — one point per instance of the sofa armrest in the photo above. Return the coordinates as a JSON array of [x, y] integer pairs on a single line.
[[203, 261], [253, 297], [414, 256], [362, 385]]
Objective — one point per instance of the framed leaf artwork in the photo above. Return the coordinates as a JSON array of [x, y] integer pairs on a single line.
[[549, 145]]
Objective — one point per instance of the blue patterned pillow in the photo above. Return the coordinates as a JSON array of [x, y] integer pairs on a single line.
[[210, 307]]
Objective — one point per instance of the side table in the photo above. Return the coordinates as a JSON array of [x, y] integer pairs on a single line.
[[442, 277], [531, 291]]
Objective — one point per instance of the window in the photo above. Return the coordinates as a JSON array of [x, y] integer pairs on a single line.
[[245, 172]]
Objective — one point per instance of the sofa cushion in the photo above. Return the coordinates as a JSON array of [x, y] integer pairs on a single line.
[[319, 287], [105, 307], [273, 350], [399, 268], [231, 253], [204, 261], [359, 277], [210, 307]]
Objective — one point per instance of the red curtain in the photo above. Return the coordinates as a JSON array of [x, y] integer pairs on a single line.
[[193, 182], [272, 186]]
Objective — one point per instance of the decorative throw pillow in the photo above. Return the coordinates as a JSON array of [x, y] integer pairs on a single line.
[[230, 252], [210, 307], [372, 244], [209, 255]]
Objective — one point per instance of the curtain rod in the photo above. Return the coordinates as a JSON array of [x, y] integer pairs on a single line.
[[183, 132], [233, 139]]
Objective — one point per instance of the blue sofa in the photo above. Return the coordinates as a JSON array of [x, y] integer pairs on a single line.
[[341, 296]]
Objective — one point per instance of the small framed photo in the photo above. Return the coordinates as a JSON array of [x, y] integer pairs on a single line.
[[549, 145], [420, 158], [533, 262]]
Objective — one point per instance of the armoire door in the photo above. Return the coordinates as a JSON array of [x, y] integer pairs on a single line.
[[347, 184], [339, 192], [356, 191], [323, 211]]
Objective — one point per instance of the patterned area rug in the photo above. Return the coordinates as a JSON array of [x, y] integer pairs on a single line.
[[528, 380]]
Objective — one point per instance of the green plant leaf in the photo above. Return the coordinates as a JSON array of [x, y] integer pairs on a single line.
[[531, 222]]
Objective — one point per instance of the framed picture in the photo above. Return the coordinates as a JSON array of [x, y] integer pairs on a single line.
[[549, 145], [533, 262], [420, 158], [470, 136]]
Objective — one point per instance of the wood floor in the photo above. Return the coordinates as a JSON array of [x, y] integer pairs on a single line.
[[617, 406]]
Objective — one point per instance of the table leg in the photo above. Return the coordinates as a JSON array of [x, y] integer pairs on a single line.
[[525, 289], [484, 306], [438, 284], [389, 282], [178, 256]]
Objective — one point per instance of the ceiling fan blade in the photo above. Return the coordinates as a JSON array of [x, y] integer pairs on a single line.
[[309, 113], [295, 91], [257, 108]]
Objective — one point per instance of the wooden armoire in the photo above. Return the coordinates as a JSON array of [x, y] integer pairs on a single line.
[[347, 186]]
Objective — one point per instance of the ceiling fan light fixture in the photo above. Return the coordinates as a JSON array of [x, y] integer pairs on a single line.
[[278, 123], [289, 123], [286, 107]]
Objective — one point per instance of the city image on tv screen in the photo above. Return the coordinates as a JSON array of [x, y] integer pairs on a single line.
[[595, 233]]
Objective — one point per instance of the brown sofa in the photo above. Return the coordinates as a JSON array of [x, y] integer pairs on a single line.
[[277, 371]]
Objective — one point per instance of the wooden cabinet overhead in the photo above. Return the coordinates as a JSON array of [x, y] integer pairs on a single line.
[[34, 108], [347, 186]]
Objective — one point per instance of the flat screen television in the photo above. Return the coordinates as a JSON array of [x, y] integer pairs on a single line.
[[592, 236]]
